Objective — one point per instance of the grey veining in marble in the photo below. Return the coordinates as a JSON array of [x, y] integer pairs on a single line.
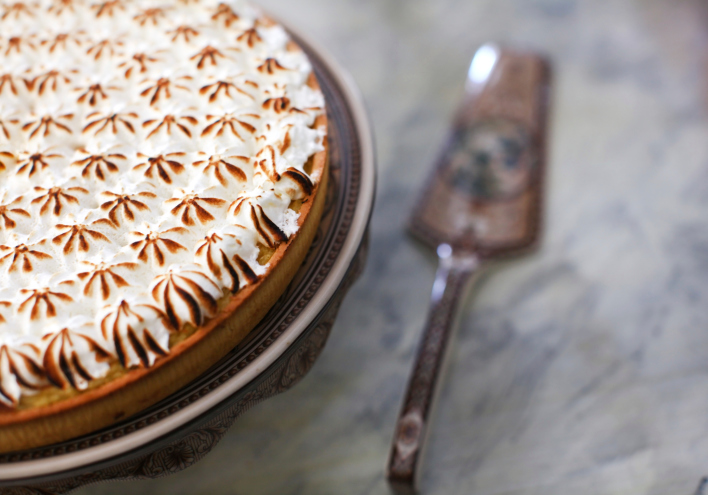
[[581, 369]]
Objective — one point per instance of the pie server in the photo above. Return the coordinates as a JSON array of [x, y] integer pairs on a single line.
[[483, 201]]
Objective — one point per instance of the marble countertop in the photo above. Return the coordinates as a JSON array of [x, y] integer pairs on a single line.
[[580, 369]]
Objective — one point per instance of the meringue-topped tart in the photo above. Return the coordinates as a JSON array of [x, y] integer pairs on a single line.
[[162, 168]]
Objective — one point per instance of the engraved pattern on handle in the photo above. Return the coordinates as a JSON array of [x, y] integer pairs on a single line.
[[451, 281]]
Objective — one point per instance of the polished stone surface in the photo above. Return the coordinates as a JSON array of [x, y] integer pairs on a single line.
[[581, 369]]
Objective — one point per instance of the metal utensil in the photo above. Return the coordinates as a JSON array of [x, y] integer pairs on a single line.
[[483, 201]]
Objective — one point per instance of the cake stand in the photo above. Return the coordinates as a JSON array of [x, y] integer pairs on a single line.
[[181, 429]]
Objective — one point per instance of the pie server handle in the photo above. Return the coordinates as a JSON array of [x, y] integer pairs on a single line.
[[452, 281]]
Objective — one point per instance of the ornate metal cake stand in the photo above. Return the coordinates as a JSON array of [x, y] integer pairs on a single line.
[[180, 430]]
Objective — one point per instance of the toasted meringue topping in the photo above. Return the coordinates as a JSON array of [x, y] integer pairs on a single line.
[[148, 152]]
